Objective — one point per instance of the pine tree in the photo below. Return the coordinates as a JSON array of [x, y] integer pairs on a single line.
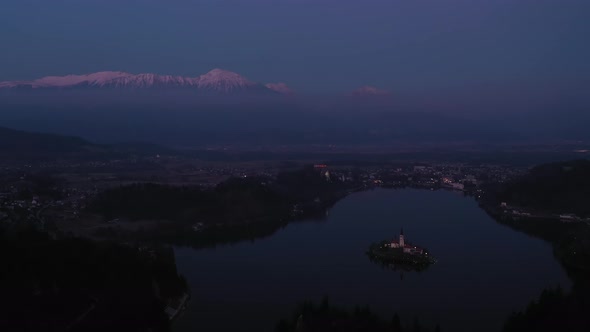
[[396, 323], [417, 327]]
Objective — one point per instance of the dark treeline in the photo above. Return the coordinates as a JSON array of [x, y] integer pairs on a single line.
[[554, 188], [235, 210], [235, 201], [557, 187], [310, 317], [554, 311], [182, 234], [79, 285], [307, 184], [232, 200]]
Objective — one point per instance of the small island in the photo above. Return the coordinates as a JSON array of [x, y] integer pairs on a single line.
[[400, 254]]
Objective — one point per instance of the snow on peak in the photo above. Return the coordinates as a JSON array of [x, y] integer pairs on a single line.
[[370, 91], [148, 80], [66, 81], [14, 84], [223, 80], [222, 73], [280, 88], [70, 80], [218, 80], [103, 79]]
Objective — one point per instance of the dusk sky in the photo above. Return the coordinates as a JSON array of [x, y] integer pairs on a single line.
[[314, 46]]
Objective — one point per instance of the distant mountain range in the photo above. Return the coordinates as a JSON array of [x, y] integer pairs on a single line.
[[218, 81]]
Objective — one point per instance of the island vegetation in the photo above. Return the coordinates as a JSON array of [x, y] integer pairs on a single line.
[[399, 258]]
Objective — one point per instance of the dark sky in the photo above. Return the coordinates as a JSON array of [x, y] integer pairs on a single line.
[[318, 46]]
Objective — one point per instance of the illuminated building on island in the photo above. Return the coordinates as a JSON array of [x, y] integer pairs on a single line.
[[407, 248]]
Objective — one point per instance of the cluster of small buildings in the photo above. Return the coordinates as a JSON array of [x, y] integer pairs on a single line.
[[454, 176], [83, 180], [407, 248], [20, 202]]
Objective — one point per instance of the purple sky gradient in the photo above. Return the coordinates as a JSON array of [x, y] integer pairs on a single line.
[[413, 47]]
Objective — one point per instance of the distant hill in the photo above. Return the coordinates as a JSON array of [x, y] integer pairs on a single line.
[[23, 143], [34, 146]]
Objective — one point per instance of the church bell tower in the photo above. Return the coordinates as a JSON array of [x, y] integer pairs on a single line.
[[401, 238]]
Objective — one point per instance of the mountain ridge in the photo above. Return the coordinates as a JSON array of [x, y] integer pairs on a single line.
[[14, 141], [26, 145], [216, 80], [280, 87]]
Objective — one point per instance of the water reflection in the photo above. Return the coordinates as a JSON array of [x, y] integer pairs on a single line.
[[484, 271]]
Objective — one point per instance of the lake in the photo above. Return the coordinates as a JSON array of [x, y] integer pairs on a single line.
[[484, 272]]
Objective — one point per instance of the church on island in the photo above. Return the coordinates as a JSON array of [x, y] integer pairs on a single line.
[[399, 253], [407, 248]]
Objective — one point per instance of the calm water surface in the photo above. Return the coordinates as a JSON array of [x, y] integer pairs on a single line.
[[484, 271]]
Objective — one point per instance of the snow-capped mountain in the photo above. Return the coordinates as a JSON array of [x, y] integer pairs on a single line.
[[281, 88], [95, 79], [370, 91], [224, 81], [217, 81], [147, 81]]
